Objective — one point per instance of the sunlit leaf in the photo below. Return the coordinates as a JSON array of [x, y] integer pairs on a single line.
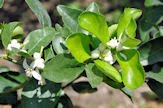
[[132, 70], [95, 24]]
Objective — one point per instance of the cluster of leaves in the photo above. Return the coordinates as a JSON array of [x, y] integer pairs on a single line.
[[150, 29], [67, 53]]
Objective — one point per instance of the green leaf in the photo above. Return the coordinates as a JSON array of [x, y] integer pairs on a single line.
[[59, 44], [95, 77], [158, 76], [108, 70], [62, 69], [11, 81], [150, 21], [156, 87], [112, 83], [131, 42], [1, 3], [112, 30], [48, 54], [132, 70], [61, 31], [95, 24], [127, 22], [34, 96], [7, 32], [83, 87], [135, 13], [40, 12], [69, 17], [78, 44], [151, 52], [93, 7], [131, 28], [149, 3], [38, 38]]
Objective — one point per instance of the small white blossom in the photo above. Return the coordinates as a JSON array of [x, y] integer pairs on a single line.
[[95, 54], [108, 56], [113, 43], [36, 55], [14, 44], [38, 61], [36, 75]]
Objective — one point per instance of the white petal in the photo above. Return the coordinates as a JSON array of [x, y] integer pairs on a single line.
[[95, 54], [113, 43], [9, 47], [14, 41], [36, 75], [41, 66], [36, 55]]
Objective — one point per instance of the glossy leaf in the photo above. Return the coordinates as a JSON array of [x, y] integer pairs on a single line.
[[132, 70], [95, 24], [38, 38], [131, 28], [78, 44], [127, 22], [34, 96], [108, 70], [7, 32], [95, 77], [83, 87], [62, 69], [11, 81], [151, 52], [93, 7], [131, 42], [69, 17], [40, 12]]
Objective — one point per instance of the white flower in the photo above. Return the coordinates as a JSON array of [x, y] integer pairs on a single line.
[[113, 43], [36, 55], [95, 54], [108, 56], [14, 44], [38, 61]]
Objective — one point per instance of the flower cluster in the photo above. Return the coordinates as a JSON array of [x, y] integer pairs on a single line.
[[31, 70], [104, 51]]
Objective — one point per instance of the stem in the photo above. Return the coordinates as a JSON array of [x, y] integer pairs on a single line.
[[6, 57]]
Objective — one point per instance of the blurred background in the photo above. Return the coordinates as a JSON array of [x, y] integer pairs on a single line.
[[105, 97]]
